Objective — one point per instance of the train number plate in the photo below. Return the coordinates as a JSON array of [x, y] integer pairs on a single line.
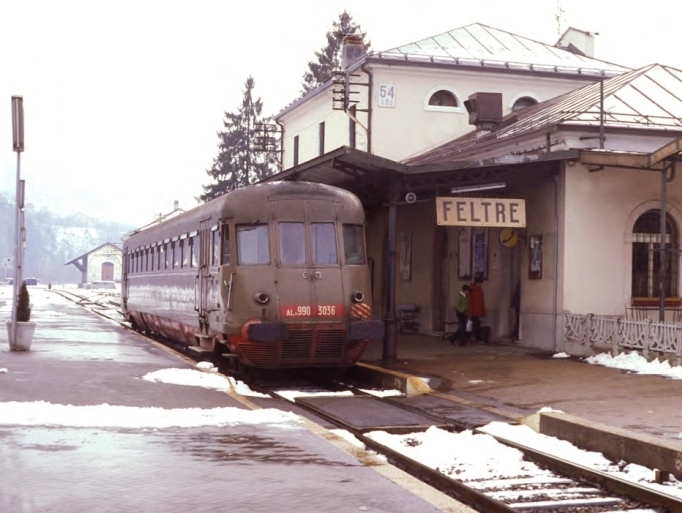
[[289, 311]]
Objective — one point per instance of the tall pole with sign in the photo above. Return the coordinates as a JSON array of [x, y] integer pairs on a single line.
[[18, 146]]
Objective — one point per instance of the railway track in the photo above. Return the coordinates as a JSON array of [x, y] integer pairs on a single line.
[[563, 486]]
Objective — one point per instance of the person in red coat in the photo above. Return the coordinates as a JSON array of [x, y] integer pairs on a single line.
[[476, 306]]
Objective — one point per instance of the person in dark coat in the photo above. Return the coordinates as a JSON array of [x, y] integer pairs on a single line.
[[476, 306]]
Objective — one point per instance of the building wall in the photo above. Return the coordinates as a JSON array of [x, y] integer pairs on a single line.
[[507, 267], [411, 126], [545, 218], [423, 127], [305, 120], [601, 209], [108, 253]]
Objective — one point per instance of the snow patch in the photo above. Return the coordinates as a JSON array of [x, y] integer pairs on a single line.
[[383, 393], [198, 378], [3, 371], [636, 363], [291, 395], [42, 413], [561, 355]]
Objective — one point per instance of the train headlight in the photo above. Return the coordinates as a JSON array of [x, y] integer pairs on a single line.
[[261, 298], [358, 296]]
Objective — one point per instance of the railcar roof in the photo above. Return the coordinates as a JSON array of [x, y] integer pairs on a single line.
[[237, 202]]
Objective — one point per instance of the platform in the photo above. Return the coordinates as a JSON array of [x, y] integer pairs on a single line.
[[624, 415], [56, 458]]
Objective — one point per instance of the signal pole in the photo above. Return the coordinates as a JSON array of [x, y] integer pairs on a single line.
[[18, 147]]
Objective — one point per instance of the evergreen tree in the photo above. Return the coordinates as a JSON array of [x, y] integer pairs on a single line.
[[328, 59], [238, 163]]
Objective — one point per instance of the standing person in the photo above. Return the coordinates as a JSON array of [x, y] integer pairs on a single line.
[[461, 308], [476, 306]]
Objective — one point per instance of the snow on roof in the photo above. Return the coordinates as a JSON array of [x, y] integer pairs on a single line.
[[650, 97], [480, 45]]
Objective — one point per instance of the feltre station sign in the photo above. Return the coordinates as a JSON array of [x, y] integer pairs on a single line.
[[492, 212]]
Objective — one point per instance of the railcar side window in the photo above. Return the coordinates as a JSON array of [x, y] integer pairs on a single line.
[[169, 254], [194, 261], [160, 257], [354, 244], [253, 244], [225, 258], [176, 254], [323, 241], [215, 243], [184, 251], [291, 244]]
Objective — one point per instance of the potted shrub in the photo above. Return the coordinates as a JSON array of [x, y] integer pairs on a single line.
[[25, 327]]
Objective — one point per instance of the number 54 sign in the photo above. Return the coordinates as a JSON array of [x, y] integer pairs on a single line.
[[386, 95]]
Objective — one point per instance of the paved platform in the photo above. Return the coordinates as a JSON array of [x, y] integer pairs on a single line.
[[633, 417], [82, 359], [523, 380]]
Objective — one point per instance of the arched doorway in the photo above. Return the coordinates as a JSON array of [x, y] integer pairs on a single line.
[[646, 256], [107, 271], [439, 299]]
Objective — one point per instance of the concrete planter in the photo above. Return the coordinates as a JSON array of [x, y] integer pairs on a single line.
[[24, 335]]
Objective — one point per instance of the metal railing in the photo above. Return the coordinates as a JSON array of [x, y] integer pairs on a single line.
[[617, 334]]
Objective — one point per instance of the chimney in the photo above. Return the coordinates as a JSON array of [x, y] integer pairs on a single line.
[[353, 49], [577, 41], [485, 110], [176, 205]]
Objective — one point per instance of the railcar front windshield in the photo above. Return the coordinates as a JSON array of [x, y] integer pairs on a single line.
[[291, 244], [253, 244], [354, 244], [323, 240]]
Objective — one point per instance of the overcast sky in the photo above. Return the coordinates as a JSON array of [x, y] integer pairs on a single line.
[[123, 99]]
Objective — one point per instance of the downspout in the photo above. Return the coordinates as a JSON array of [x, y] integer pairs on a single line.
[[370, 87], [665, 180], [390, 320], [556, 260]]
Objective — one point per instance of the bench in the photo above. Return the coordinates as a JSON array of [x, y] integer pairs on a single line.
[[408, 318]]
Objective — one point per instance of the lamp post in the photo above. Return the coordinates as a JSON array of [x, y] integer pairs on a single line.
[[18, 147]]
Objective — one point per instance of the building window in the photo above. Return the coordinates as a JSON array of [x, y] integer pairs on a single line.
[[443, 98], [296, 150], [646, 256], [523, 102], [321, 138], [352, 127]]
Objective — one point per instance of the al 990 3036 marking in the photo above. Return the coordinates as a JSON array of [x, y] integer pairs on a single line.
[[312, 310]]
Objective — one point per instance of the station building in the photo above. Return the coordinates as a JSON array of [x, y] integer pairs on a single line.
[[587, 148], [104, 263]]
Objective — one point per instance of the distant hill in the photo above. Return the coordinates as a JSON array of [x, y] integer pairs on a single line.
[[52, 240]]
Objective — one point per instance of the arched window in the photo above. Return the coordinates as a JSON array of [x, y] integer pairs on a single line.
[[443, 98], [524, 102], [646, 256]]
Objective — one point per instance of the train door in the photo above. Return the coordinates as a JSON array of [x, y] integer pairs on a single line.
[[202, 253], [325, 259], [293, 273], [124, 279]]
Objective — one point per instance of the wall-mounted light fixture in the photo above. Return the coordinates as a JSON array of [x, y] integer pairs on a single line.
[[478, 188]]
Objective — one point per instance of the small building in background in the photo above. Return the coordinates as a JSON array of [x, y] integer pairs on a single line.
[[104, 263]]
